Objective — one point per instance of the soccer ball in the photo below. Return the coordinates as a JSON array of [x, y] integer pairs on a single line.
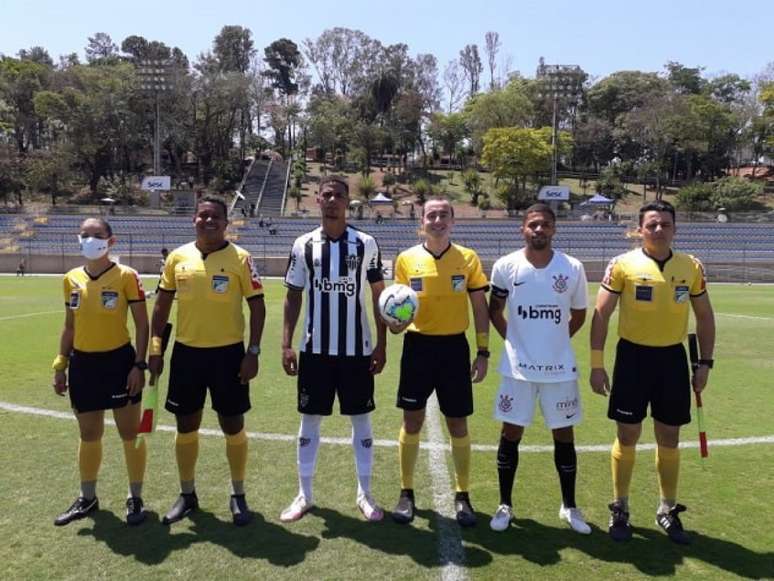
[[398, 304]]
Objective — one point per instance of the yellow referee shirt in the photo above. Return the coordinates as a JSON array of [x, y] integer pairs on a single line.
[[209, 290], [99, 306], [654, 296], [442, 284]]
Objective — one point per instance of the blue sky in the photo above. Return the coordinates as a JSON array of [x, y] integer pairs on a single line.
[[602, 36]]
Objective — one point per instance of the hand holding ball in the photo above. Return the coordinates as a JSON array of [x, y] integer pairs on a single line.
[[398, 305]]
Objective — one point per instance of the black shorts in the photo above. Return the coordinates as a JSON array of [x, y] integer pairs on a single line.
[[194, 369], [440, 363], [98, 380], [657, 376], [322, 377]]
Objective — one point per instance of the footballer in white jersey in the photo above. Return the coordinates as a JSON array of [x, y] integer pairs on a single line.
[[544, 292]]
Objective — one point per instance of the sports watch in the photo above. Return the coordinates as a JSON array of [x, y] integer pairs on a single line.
[[709, 363], [141, 365], [254, 350], [483, 353]]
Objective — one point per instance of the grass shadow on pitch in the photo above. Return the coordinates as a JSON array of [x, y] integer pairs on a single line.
[[420, 544], [649, 551], [151, 543]]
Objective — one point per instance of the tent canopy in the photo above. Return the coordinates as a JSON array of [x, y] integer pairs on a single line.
[[380, 198], [598, 200]]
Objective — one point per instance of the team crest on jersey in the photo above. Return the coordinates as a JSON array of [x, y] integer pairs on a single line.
[[458, 282], [316, 262], [505, 404], [560, 283], [353, 260], [110, 300], [366, 443], [681, 294], [255, 277], [75, 300], [220, 284]]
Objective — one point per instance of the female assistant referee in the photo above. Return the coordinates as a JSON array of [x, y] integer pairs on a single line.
[[105, 371]]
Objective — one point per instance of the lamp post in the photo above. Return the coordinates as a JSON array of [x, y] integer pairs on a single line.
[[559, 82], [154, 78]]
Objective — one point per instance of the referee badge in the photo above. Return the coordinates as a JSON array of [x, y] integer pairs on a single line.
[[458, 282], [681, 294], [109, 300], [220, 284]]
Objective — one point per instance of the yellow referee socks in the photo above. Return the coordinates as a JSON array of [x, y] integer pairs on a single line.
[[187, 451], [236, 452], [89, 459], [461, 455], [622, 465], [668, 467], [408, 450], [136, 458]]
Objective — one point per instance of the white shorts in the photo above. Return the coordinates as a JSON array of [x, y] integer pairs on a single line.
[[559, 402]]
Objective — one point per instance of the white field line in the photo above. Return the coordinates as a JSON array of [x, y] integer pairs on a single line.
[[432, 446], [11, 317], [451, 553], [753, 317]]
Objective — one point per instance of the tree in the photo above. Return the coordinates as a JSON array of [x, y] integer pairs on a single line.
[[284, 62], [343, 59], [453, 81], [233, 48], [506, 107], [515, 154], [492, 47], [20, 81], [449, 131], [622, 92], [49, 172], [472, 180], [101, 50], [37, 54], [735, 194], [684, 80], [472, 67]]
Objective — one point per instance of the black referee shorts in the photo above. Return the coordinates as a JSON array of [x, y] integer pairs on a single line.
[[439, 363], [196, 369], [658, 376], [322, 377], [98, 379]]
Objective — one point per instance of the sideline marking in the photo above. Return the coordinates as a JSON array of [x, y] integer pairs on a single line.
[[747, 441], [10, 317], [753, 317], [451, 553]]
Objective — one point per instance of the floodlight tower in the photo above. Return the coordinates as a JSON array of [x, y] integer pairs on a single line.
[[563, 82], [154, 78]]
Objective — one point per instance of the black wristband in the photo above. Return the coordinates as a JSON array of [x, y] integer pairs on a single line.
[[707, 362], [483, 353], [141, 365]]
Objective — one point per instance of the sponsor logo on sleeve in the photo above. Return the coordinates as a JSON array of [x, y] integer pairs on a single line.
[[416, 284], [220, 284], [75, 300], [255, 277], [109, 300]]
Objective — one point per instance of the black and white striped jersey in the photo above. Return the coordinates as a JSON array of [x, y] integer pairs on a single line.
[[335, 274]]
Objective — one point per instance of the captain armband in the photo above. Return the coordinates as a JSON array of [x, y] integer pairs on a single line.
[[155, 346], [60, 363], [482, 341]]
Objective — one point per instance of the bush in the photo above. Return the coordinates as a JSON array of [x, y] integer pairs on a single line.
[[735, 194], [609, 183], [388, 180], [366, 187], [423, 189], [695, 198]]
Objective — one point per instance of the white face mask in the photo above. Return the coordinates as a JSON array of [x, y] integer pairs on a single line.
[[93, 248]]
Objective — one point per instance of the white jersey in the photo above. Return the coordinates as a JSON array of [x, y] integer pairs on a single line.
[[335, 274], [537, 344]]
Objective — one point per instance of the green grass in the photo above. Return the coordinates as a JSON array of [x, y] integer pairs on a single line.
[[728, 495]]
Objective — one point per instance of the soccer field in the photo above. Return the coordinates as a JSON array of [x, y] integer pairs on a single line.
[[728, 494]]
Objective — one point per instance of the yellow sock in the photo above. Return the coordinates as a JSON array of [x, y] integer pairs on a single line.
[[236, 452], [187, 451], [89, 459], [622, 465], [668, 467], [408, 450], [461, 455], [135, 454]]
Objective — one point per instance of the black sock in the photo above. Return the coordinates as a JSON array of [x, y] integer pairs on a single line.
[[566, 463], [507, 462]]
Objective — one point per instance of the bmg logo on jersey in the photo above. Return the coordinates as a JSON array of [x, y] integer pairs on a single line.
[[542, 312], [344, 285]]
